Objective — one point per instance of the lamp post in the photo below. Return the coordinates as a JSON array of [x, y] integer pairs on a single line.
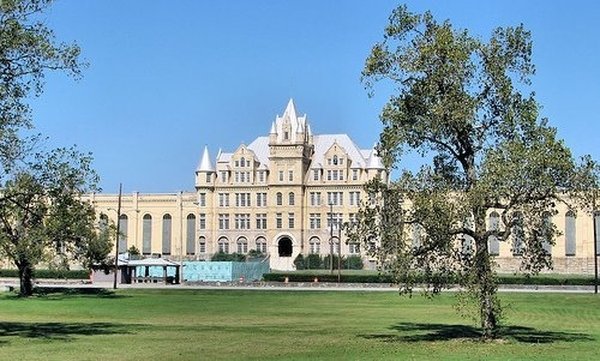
[[117, 237], [330, 237]]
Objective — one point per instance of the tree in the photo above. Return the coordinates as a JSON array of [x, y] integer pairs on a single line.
[[43, 217], [41, 214], [460, 102]]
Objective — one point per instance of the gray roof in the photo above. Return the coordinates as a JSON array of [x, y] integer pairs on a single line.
[[205, 164]]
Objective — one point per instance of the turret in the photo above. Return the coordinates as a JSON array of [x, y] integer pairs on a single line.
[[205, 172]]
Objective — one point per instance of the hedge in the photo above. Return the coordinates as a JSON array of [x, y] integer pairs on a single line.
[[46, 273], [551, 280]]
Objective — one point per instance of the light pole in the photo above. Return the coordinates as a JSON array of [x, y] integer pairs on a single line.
[[331, 237], [117, 237]]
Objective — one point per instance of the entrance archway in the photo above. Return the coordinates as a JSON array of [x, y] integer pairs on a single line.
[[285, 247]]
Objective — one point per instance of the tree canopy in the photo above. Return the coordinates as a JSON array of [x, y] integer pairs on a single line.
[[461, 101], [42, 215]]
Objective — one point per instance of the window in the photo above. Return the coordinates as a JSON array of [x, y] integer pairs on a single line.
[[223, 199], [290, 220], [417, 233], [315, 220], [545, 230], [208, 177], [291, 199], [166, 234], [224, 176], [494, 225], [261, 221], [202, 221], [336, 218], [242, 245], [291, 175], [354, 198], [335, 160], [261, 245], [261, 199], [315, 245], [261, 176], [279, 198], [354, 174], [570, 234], [147, 234], [243, 162], [123, 233], [329, 175], [281, 176], [190, 241], [353, 248], [242, 200], [335, 198], [315, 174], [315, 198], [353, 218], [242, 221], [223, 245], [223, 221], [202, 199], [279, 220], [202, 245], [237, 163]]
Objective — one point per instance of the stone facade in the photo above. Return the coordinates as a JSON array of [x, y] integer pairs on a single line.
[[279, 194]]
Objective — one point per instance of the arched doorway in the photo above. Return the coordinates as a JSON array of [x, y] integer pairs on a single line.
[[285, 247]]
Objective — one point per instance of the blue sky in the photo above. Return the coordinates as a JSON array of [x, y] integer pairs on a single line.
[[168, 77]]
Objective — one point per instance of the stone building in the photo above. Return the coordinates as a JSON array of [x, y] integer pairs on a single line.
[[281, 195]]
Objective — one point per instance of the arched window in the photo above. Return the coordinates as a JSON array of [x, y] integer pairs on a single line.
[[147, 234], [261, 245], [242, 245], [546, 230], [494, 225], [166, 234], [285, 247], [103, 223], [243, 162], [190, 235], [123, 220], [335, 160], [315, 245], [291, 199], [570, 234], [518, 234], [202, 245], [279, 198], [223, 244], [416, 235]]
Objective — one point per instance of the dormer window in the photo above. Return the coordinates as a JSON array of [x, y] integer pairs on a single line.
[[335, 160], [243, 162]]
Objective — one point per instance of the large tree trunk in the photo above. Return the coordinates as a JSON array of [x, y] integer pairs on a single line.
[[487, 289], [25, 282]]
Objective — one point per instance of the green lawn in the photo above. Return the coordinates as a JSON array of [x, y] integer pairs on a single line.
[[271, 325]]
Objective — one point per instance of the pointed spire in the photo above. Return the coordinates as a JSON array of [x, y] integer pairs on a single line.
[[374, 162], [290, 110], [273, 129], [205, 163]]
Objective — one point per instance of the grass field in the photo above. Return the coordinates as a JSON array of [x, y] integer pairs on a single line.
[[273, 325]]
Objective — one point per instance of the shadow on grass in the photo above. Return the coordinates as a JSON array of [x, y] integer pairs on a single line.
[[61, 331], [418, 332], [58, 293]]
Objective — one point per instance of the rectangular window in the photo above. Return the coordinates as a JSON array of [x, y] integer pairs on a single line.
[[261, 177], [291, 175], [223, 176], [279, 220], [223, 199], [354, 174], [354, 198], [202, 247], [315, 221], [202, 199], [354, 248], [208, 177], [315, 174], [335, 198], [281, 176], [329, 175], [223, 221], [336, 218], [315, 198], [291, 220], [261, 199], [202, 221], [242, 200], [261, 221], [242, 221]]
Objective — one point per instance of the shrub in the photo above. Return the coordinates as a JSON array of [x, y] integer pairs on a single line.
[[45, 273], [228, 257], [352, 262], [299, 262], [314, 261]]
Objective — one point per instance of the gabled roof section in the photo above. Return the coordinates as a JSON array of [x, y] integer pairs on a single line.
[[324, 142], [205, 164], [260, 147]]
